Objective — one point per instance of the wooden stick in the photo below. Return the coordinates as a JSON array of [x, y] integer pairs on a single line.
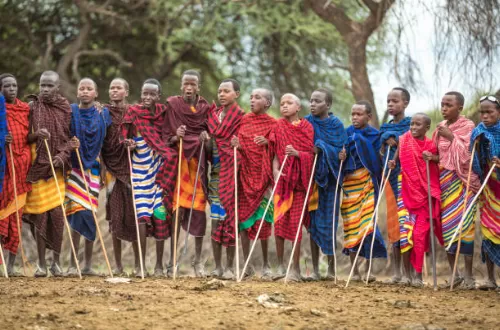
[[236, 221], [306, 201], [364, 236], [18, 218], [3, 262], [177, 207], [61, 200], [334, 237], [263, 217], [135, 213], [431, 220], [463, 218], [184, 251], [93, 211], [375, 215]]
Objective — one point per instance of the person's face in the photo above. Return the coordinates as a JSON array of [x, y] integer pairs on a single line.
[[450, 109], [226, 94], [117, 91], [396, 103], [258, 102], [489, 113], [150, 95], [9, 89], [86, 91], [49, 85], [189, 87], [288, 106], [359, 116], [418, 127], [318, 104]]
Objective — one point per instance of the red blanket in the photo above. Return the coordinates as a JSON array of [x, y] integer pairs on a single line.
[[255, 167], [222, 132]]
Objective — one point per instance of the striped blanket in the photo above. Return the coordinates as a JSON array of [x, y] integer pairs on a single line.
[[188, 177], [217, 212], [490, 219]]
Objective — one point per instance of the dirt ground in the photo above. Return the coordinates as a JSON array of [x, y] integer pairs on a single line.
[[93, 303]]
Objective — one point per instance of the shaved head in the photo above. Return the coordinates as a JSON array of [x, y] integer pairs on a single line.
[[51, 74], [268, 95], [294, 97], [424, 116]]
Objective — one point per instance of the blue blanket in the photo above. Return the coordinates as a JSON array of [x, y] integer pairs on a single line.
[[488, 147]]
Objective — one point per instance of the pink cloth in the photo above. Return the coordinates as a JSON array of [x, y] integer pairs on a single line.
[[455, 156]]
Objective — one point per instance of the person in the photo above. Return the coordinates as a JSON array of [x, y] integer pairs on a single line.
[[487, 133], [255, 177], [452, 136], [413, 149], [89, 123], [3, 135], [329, 139], [186, 119], [292, 137], [398, 100], [119, 206], [50, 118], [141, 129], [17, 140], [223, 123], [361, 184]]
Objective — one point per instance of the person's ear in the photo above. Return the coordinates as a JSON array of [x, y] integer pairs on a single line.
[[460, 108], [237, 94]]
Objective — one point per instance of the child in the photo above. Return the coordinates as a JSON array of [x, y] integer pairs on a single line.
[[255, 175], [361, 184], [186, 118], [88, 126], [487, 154], [141, 127], [329, 139], [398, 100], [413, 149], [223, 123], [17, 140], [452, 136], [294, 137]]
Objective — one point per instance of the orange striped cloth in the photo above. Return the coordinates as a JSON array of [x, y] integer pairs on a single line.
[[188, 177]]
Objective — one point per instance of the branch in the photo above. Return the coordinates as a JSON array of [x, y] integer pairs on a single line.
[[378, 10], [331, 13], [97, 52]]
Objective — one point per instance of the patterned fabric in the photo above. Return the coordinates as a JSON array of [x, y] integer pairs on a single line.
[[490, 209], [188, 178], [330, 137], [290, 192], [357, 210], [113, 152], [3, 133], [492, 250], [488, 147], [255, 174], [9, 232], [120, 212], [140, 120], [252, 224], [17, 123], [11, 208], [222, 132], [452, 208], [50, 225], [54, 114], [217, 212], [402, 215], [414, 194], [77, 204], [44, 195]]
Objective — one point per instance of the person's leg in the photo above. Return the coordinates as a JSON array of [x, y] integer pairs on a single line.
[[10, 263], [89, 248], [142, 235], [396, 258], [76, 241], [41, 246], [172, 230], [217, 251], [331, 268], [490, 267], [280, 251], [315, 260], [356, 275], [266, 268], [468, 266], [230, 251], [117, 250], [245, 244], [296, 263], [406, 267], [160, 247]]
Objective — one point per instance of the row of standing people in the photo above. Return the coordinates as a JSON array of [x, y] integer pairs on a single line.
[[353, 157]]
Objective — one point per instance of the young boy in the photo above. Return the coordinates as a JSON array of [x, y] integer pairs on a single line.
[[50, 118], [487, 154], [413, 149], [223, 123], [452, 137], [186, 118], [255, 176], [141, 129], [119, 207], [329, 139], [88, 126], [398, 100], [294, 137], [17, 140], [361, 184]]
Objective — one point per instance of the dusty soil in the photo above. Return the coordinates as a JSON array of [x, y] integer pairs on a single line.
[[92, 303]]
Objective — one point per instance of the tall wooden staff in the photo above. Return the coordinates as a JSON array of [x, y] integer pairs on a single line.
[[463, 218], [433, 244], [177, 207], [334, 237], [61, 200], [302, 215], [93, 211], [18, 218], [263, 217], [135, 213], [236, 222], [3, 262]]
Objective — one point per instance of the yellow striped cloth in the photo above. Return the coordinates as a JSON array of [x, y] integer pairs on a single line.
[[44, 196], [11, 208], [188, 177]]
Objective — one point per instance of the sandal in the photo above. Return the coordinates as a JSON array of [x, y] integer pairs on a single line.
[[469, 283], [199, 269], [56, 271], [488, 285], [217, 273], [39, 272]]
